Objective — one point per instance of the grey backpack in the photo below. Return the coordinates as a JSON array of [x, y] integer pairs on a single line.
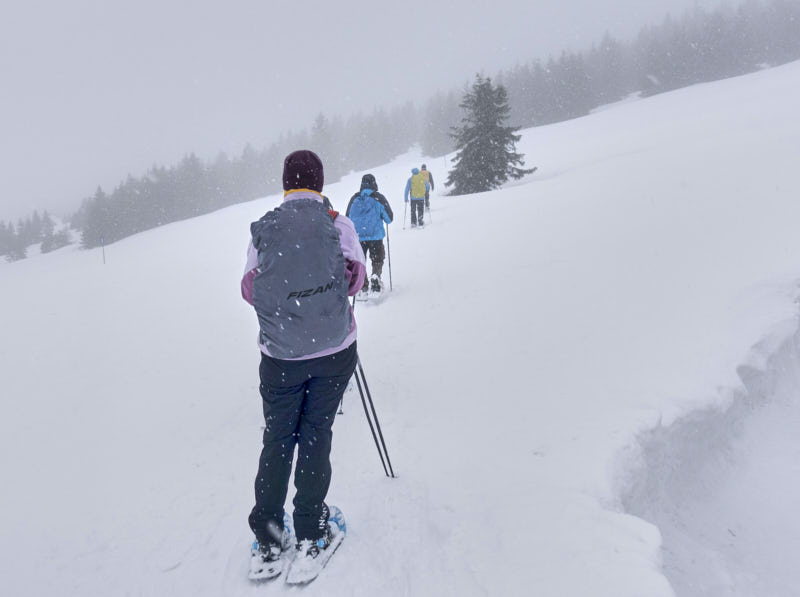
[[300, 289]]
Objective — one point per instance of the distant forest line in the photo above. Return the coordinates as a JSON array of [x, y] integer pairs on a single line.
[[698, 47]]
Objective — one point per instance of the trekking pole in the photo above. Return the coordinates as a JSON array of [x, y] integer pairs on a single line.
[[341, 401], [371, 427], [390, 472], [430, 219], [405, 213], [389, 255]]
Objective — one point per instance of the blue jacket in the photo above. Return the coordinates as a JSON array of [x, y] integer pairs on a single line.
[[368, 216]]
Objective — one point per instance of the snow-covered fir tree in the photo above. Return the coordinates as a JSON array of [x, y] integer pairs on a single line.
[[486, 149]]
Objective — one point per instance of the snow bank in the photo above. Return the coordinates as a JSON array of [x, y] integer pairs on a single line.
[[723, 484]]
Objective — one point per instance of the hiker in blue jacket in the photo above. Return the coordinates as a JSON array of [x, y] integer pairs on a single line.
[[417, 186], [369, 209]]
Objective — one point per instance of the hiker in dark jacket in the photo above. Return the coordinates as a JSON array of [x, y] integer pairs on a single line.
[[429, 177], [302, 264], [369, 209]]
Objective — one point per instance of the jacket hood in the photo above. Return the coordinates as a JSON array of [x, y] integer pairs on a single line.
[[414, 170], [368, 182]]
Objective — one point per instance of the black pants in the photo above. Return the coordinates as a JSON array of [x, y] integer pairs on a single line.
[[417, 205], [376, 254], [428, 199], [300, 399]]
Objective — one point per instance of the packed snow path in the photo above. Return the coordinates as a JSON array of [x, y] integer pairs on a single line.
[[533, 335]]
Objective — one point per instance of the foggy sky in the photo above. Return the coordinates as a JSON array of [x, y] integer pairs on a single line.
[[93, 90]]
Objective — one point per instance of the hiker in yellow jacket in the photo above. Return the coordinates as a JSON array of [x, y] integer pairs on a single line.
[[417, 186]]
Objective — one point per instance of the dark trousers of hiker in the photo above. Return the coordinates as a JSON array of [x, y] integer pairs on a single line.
[[428, 199], [300, 399], [376, 254], [417, 207]]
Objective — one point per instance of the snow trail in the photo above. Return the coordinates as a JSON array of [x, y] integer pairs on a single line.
[[533, 334]]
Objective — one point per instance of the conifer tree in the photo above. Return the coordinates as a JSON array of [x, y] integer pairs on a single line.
[[48, 226], [486, 149], [6, 236], [439, 116], [97, 224], [18, 247], [52, 240]]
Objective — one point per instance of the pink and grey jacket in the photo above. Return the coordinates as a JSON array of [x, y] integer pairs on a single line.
[[355, 271]]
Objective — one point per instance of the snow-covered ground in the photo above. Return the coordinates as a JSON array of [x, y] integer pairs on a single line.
[[544, 347]]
